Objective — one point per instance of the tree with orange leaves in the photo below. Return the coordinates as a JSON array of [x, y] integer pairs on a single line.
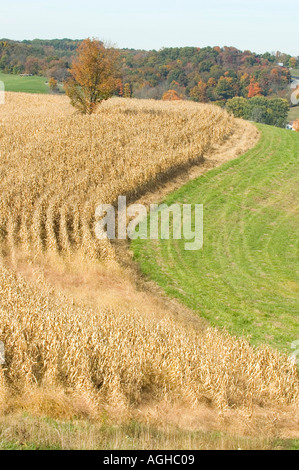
[[199, 92], [296, 125], [53, 85], [292, 62], [93, 76], [171, 95], [254, 89]]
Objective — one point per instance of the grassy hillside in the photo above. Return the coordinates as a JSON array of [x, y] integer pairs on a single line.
[[24, 84], [246, 277]]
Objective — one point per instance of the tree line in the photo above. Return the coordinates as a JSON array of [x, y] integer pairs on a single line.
[[200, 74], [243, 82]]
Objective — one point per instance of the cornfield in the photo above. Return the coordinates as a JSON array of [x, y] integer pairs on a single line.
[[56, 167], [123, 357]]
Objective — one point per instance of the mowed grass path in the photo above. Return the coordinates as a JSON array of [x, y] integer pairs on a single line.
[[246, 277], [24, 84]]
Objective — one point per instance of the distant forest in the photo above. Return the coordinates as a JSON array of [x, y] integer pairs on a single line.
[[200, 74]]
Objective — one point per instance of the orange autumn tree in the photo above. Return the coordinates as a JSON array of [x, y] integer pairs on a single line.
[[254, 89], [296, 125], [199, 92], [292, 62], [53, 85], [171, 95], [93, 76]]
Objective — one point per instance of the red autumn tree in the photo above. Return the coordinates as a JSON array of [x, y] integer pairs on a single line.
[[254, 89], [93, 76], [119, 87]]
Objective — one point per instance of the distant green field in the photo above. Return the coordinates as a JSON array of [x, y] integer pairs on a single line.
[[294, 114], [246, 277], [295, 73], [24, 84]]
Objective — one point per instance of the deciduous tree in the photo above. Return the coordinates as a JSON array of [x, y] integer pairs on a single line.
[[254, 89], [225, 88], [199, 92], [237, 106], [292, 62], [93, 75], [127, 91], [171, 95], [53, 84], [260, 109]]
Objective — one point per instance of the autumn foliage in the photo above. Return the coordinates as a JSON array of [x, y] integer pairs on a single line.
[[199, 92], [293, 62], [171, 95], [127, 93], [254, 89], [53, 84], [93, 76], [296, 125]]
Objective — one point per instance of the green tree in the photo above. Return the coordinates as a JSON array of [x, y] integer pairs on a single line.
[[237, 106], [278, 111], [225, 88], [273, 112]]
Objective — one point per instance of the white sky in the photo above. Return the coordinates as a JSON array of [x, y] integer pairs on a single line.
[[258, 25]]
